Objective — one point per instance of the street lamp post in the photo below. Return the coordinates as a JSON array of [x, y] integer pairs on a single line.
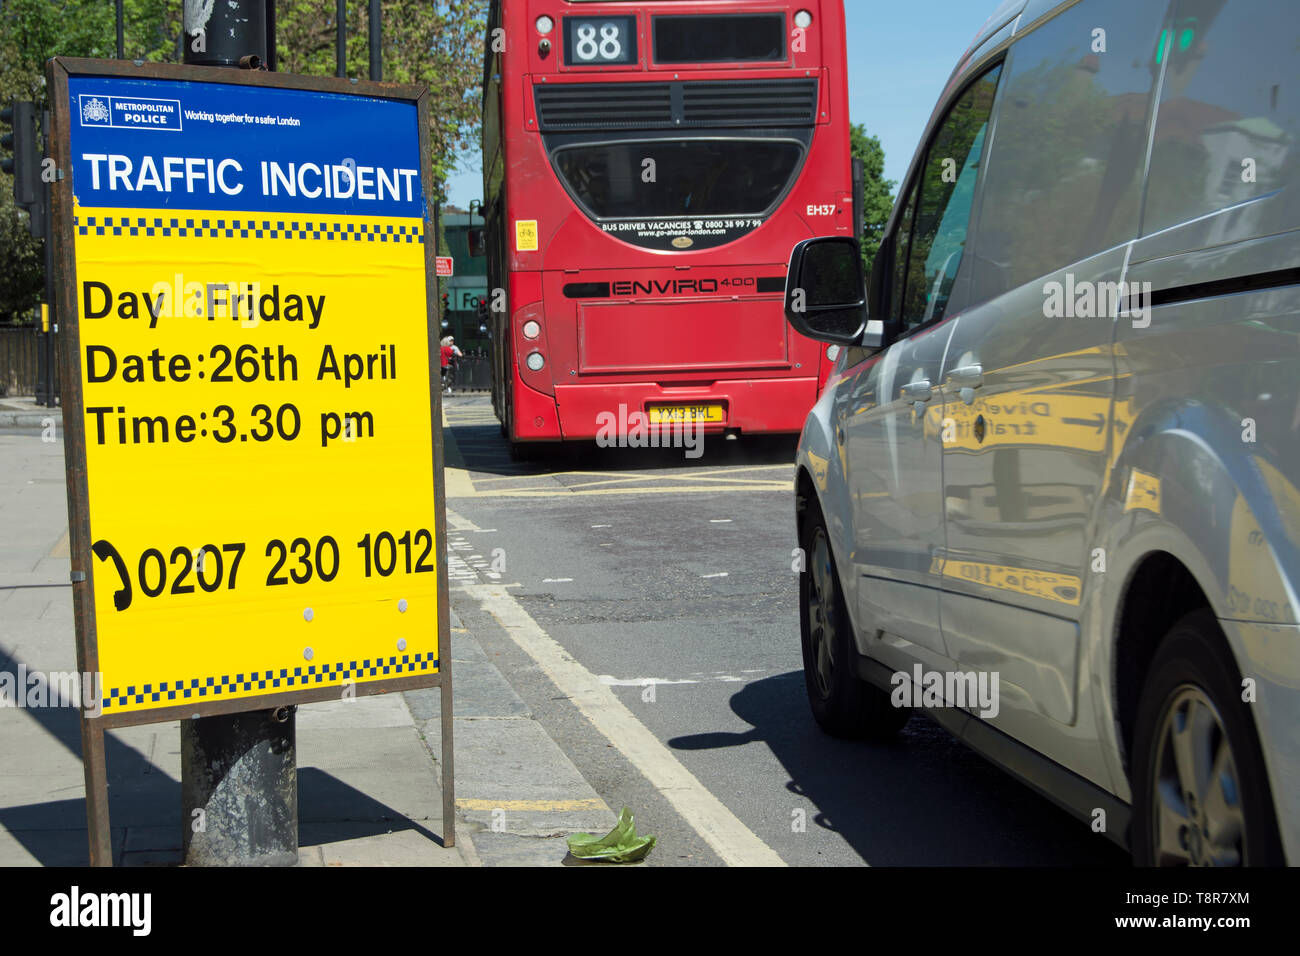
[[239, 772]]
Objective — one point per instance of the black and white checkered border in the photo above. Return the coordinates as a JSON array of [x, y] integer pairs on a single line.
[[269, 680], [245, 228]]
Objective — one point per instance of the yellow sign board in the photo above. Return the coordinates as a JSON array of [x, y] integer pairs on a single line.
[[251, 353], [526, 235]]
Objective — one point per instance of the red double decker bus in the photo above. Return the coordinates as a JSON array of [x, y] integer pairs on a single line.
[[647, 168]]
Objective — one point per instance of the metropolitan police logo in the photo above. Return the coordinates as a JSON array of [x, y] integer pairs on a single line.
[[94, 111]]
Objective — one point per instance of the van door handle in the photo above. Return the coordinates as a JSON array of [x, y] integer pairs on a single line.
[[967, 376], [918, 391]]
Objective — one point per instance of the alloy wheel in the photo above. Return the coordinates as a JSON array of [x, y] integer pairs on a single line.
[[822, 619], [1198, 813]]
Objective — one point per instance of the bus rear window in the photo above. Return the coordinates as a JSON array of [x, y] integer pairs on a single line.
[[661, 178], [719, 39]]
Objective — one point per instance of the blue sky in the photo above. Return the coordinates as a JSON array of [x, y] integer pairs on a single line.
[[900, 55]]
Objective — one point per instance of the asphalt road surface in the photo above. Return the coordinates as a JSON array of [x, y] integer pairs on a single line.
[[669, 582]]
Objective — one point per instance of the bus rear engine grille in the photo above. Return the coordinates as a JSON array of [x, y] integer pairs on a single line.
[[728, 103]]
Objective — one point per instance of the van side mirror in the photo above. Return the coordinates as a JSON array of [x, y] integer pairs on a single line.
[[477, 244], [825, 294]]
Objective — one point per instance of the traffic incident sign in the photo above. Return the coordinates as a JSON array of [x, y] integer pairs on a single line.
[[445, 264], [253, 440]]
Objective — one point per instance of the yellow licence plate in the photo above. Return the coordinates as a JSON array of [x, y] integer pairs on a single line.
[[671, 414]]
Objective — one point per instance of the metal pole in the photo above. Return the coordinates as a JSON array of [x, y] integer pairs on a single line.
[[120, 45], [376, 58], [270, 36], [239, 772], [341, 40], [47, 398], [239, 789], [446, 712], [95, 771], [230, 33]]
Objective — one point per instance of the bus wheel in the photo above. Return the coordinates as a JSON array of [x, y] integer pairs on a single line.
[[1200, 788], [535, 450], [842, 703]]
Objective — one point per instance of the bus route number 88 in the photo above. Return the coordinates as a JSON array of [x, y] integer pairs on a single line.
[[605, 45]]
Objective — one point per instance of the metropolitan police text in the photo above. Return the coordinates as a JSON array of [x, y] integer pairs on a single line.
[[165, 174]]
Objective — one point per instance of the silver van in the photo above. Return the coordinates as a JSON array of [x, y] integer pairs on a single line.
[[1049, 494]]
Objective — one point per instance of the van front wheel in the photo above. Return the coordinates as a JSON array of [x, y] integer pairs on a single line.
[[842, 703]]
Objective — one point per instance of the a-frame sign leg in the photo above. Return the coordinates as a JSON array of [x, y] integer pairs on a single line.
[[92, 758], [448, 757]]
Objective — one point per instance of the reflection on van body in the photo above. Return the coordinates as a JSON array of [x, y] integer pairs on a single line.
[[1103, 510]]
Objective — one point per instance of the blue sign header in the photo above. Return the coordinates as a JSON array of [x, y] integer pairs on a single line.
[[242, 148]]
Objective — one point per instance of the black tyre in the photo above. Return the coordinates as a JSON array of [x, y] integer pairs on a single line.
[[543, 451], [843, 704], [1200, 787]]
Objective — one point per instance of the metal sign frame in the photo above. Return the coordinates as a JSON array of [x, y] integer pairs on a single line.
[[58, 72]]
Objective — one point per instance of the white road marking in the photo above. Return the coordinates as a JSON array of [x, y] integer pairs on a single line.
[[557, 580], [602, 526], [458, 522], [609, 681], [722, 574], [466, 568], [734, 842], [719, 521]]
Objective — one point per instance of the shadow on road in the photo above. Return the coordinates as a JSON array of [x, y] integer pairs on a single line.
[[481, 449], [142, 795], [922, 799]]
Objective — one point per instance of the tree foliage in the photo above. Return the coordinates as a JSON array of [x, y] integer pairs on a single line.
[[439, 44], [877, 192], [435, 42]]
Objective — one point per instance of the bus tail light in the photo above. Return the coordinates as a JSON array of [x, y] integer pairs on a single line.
[[803, 19], [535, 361], [531, 330]]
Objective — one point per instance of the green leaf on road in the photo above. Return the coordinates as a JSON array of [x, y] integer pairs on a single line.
[[619, 845]]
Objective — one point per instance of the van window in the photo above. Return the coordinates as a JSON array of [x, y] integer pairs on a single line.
[[1228, 121], [938, 210], [902, 246], [1065, 167]]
